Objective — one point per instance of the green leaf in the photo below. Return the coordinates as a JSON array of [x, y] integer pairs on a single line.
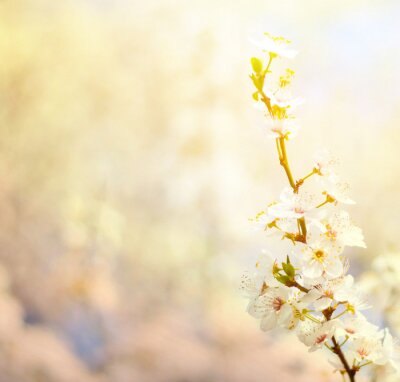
[[256, 64]]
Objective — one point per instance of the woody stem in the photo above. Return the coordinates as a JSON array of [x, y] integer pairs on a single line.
[[338, 351]]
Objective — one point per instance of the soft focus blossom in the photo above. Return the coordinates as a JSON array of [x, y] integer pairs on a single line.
[[340, 231], [295, 206], [275, 45], [338, 191], [282, 128], [324, 163], [365, 349], [314, 335], [284, 99]]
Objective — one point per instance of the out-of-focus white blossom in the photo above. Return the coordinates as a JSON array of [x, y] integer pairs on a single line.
[[295, 206], [275, 45], [315, 335], [282, 128], [284, 99], [324, 163], [341, 232], [356, 326], [390, 352], [352, 295], [338, 191], [365, 349]]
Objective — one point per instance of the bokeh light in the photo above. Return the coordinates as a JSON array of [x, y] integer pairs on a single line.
[[132, 158]]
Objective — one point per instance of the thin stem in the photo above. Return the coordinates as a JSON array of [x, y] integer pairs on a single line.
[[283, 159], [294, 283], [303, 226], [301, 180], [338, 351], [279, 149], [347, 338], [285, 163], [310, 174], [267, 102], [323, 203], [339, 315], [365, 364], [328, 347], [312, 318], [271, 57]]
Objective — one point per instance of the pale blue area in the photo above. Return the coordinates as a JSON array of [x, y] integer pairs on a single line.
[[85, 333]]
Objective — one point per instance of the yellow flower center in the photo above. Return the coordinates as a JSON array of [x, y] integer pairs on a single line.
[[319, 255]]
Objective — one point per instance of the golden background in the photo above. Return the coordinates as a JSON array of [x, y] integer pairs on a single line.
[[132, 157]]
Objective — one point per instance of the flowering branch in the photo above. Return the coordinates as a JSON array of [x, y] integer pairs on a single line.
[[306, 288]]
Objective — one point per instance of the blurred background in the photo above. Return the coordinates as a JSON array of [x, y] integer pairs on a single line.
[[132, 157]]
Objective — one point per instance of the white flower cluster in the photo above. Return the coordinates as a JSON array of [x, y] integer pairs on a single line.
[[305, 286], [386, 295]]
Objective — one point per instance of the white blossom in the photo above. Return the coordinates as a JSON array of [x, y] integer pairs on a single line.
[[357, 326], [270, 224], [324, 163], [390, 352], [340, 231], [295, 206], [352, 295], [326, 291], [338, 191], [315, 335], [275, 45], [273, 308], [365, 349], [284, 99], [256, 283], [282, 128], [319, 259]]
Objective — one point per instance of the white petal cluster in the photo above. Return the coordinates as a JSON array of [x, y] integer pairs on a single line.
[[275, 45], [284, 99], [382, 283], [305, 287], [282, 128]]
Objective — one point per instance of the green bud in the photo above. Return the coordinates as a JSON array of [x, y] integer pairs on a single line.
[[283, 279], [256, 64], [289, 269], [258, 81]]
